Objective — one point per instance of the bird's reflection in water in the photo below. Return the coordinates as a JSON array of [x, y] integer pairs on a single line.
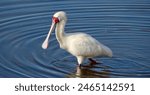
[[91, 71]]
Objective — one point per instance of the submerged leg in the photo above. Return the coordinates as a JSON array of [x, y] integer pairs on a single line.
[[92, 62]]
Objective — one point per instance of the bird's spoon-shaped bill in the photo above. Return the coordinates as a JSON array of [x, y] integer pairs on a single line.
[[45, 43]]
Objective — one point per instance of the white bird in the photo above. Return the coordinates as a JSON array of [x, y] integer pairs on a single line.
[[80, 45]]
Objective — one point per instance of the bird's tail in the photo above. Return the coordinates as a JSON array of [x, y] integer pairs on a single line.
[[107, 51]]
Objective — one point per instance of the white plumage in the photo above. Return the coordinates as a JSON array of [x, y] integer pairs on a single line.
[[80, 45]]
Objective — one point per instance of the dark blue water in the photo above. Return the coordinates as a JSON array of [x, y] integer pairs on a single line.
[[122, 25]]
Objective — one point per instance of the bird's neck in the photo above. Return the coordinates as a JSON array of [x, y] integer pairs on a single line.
[[60, 32]]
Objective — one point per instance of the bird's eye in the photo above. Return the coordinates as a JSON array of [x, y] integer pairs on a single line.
[[55, 19]]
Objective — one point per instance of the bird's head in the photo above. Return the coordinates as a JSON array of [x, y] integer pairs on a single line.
[[57, 18]]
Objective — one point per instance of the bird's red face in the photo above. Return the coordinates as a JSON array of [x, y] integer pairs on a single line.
[[55, 20]]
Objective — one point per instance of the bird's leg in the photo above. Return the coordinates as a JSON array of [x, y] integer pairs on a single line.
[[79, 65], [80, 60], [92, 62]]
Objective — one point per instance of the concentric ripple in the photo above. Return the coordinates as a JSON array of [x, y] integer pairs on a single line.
[[124, 26]]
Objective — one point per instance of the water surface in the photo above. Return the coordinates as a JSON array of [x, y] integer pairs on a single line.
[[122, 25]]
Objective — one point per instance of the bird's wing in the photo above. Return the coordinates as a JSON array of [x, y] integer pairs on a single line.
[[83, 45]]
